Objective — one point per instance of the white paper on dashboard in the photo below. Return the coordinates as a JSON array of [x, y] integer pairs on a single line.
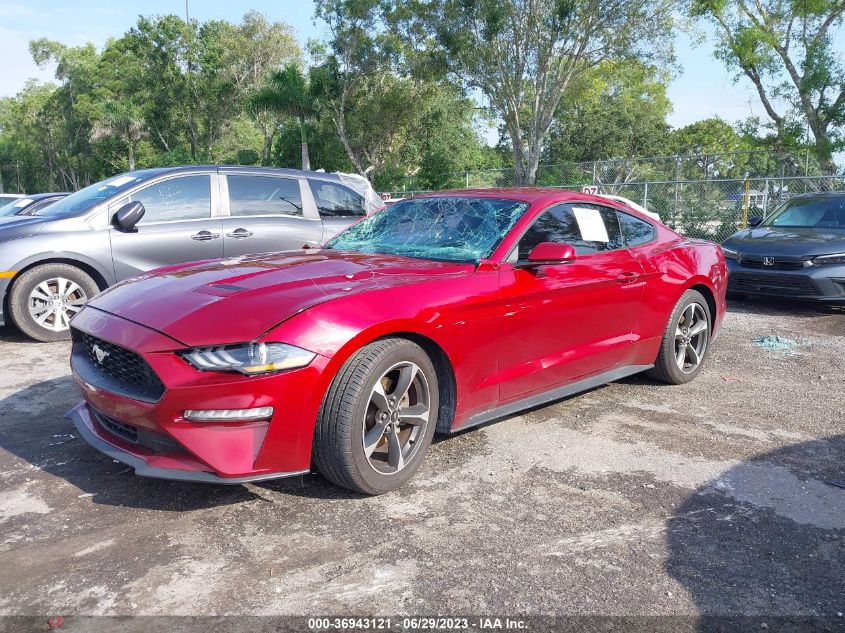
[[122, 180], [591, 224]]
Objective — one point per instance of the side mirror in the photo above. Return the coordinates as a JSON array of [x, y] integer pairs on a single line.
[[754, 221], [129, 215], [552, 253]]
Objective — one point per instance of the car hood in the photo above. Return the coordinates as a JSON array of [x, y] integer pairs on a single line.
[[238, 299], [792, 242]]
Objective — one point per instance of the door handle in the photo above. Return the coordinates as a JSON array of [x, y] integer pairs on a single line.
[[626, 277], [205, 236], [239, 234]]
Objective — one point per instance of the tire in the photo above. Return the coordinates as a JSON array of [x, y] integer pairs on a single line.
[[350, 405], [691, 310], [38, 287]]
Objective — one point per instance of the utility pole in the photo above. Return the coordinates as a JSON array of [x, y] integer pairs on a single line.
[[187, 15]]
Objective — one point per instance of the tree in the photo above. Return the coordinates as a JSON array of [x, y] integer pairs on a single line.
[[123, 121], [719, 150], [65, 118], [788, 51], [523, 54], [288, 93], [615, 110], [395, 113], [347, 65]]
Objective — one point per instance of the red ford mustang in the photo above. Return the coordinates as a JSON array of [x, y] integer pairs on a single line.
[[436, 314]]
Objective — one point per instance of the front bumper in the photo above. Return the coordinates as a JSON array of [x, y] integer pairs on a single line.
[[155, 439], [148, 464], [808, 283]]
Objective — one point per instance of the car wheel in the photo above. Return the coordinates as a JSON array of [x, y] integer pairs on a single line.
[[43, 300], [685, 342], [378, 417]]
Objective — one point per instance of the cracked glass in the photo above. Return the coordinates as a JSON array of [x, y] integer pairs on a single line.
[[448, 229]]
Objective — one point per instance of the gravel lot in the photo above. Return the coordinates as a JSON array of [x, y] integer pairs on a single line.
[[717, 497]]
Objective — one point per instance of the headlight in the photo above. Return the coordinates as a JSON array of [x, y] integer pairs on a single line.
[[249, 358], [730, 253], [836, 258]]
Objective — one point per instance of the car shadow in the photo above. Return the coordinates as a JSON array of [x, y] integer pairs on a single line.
[[766, 306], [10, 334], [33, 428], [766, 539]]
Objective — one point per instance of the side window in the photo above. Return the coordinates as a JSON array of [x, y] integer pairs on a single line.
[[181, 198], [634, 230], [589, 228], [264, 195], [36, 206], [336, 201]]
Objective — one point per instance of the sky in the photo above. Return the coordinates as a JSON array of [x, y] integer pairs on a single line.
[[703, 89]]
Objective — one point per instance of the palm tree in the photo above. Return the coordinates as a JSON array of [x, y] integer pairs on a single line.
[[123, 120], [288, 93]]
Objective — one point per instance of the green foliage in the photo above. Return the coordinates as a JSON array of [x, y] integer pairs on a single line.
[[248, 157], [288, 93], [617, 110], [524, 54], [165, 93], [788, 52]]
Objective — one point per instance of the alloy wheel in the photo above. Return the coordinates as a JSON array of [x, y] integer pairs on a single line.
[[691, 337], [53, 302], [396, 418]]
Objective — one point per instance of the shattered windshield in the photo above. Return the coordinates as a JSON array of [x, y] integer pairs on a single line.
[[451, 229]]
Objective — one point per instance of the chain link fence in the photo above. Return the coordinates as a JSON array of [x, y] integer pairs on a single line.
[[615, 172], [708, 209]]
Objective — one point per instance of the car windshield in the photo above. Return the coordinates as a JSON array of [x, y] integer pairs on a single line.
[[813, 212], [447, 229], [89, 196]]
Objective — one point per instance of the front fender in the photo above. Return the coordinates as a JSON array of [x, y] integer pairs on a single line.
[[105, 272]]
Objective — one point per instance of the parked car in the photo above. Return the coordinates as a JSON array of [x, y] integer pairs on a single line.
[[798, 252], [30, 205], [51, 263], [436, 313], [6, 198]]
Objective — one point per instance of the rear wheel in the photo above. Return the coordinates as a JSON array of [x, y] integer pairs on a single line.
[[44, 299], [685, 342], [378, 417]]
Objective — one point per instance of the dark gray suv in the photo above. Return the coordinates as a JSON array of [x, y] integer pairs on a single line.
[[51, 263]]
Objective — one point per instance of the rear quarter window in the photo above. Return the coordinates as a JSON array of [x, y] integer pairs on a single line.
[[634, 230], [336, 201]]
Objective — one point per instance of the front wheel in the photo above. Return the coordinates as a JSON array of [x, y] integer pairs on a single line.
[[378, 417], [685, 342], [44, 299]]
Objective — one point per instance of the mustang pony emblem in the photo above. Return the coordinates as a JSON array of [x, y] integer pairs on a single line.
[[100, 353]]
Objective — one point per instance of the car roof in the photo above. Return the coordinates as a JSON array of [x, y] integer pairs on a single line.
[[41, 196], [534, 195], [250, 169]]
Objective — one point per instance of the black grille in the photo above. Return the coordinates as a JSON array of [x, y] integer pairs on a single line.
[[126, 431], [751, 261], [796, 285], [154, 442], [114, 368]]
